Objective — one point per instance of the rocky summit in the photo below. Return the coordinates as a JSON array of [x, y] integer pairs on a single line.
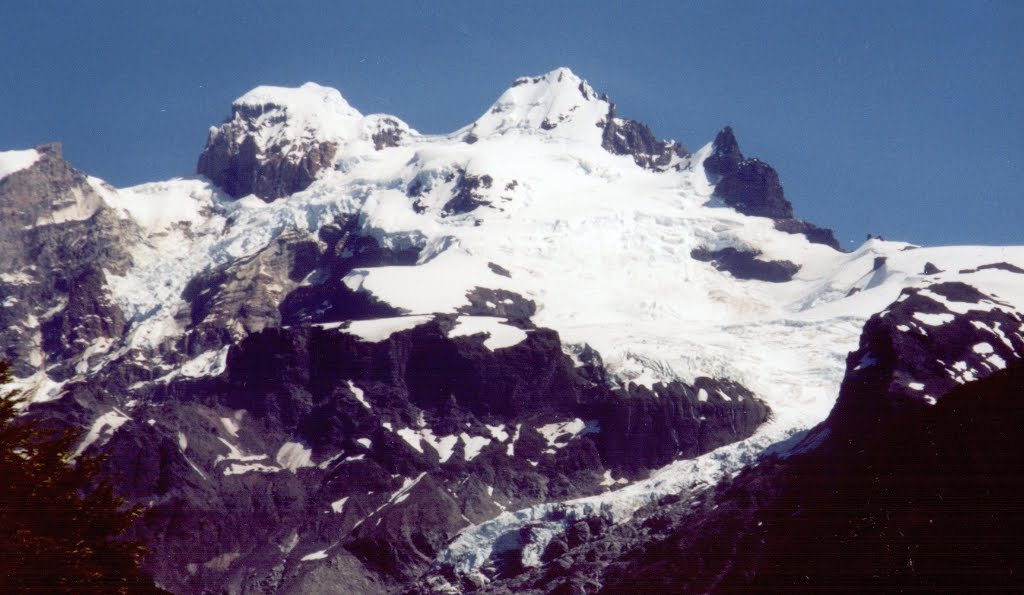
[[545, 352]]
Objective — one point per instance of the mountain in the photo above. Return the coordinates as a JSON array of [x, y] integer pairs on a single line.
[[351, 357]]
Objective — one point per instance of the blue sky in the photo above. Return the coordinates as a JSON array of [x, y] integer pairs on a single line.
[[894, 118]]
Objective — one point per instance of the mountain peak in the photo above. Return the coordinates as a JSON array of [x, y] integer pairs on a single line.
[[558, 103], [278, 139], [310, 101]]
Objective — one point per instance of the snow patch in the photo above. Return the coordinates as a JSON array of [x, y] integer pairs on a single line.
[[560, 433], [243, 468], [473, 445], [12, 161], [380, 329], [293, 456], [933, 319], [320, 555], [501, 334], [103, 428], [444, 445], [339, 505], [360, 396], [230, 426], [498, 432]]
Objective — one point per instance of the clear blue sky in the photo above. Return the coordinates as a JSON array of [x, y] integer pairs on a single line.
[[895, 118]]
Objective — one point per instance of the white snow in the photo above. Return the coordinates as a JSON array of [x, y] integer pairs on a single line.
[[319, 555], [311, 113], [403, 492], [915, 386], [511, 449], [294, 455], [983, 348], [358, 392], [12, 161], [559, 434], [102, 428], [444, 445], [242, 468], [339, 505], [210, 363], [558, 98], [236, 454], [380, 329], [995, 361], [933, 319], [501, 334], [608, 481], [473, 445], [498, 432], [230, 426], [366, 442]]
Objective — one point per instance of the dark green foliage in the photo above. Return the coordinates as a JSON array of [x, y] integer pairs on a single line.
[[59, 521]]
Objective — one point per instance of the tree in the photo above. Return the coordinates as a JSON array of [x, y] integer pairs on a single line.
[[61, 524]]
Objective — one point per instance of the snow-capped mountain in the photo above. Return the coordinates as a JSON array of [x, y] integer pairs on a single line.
[[349, 354]]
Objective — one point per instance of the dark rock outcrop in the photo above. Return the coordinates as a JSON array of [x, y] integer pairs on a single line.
[[237, 299], [500, 302], [997, 266], [752, 187], [55, 233], [629, 137], [920, 349], [325, 297], [645, 429], [233, 161], [746, 265], [318, 448], [943, 480], [813, 233], [466, 196]]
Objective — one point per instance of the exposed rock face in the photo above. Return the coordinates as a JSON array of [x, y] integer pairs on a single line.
[[923, 346], [942, 477], [233, 160], [55, 231], [747, 265], [326, 298], [242, 297], [277, 140], [752, 187], [886, 484], [629, 137], [315, 445], [466, 197], [484, 301], [645, 428], [813, 233]]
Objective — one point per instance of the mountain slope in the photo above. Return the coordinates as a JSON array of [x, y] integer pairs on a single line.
[[351, 353]]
